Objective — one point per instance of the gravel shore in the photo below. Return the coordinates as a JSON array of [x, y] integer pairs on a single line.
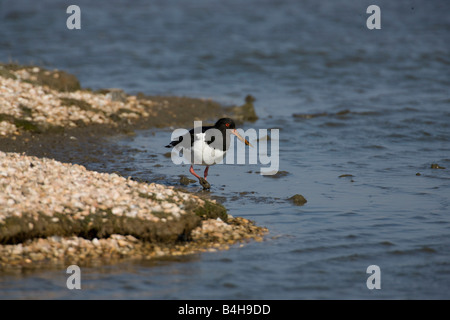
[[53, 211], [36, 100]]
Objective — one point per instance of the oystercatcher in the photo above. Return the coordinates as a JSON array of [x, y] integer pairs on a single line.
[[207, 146]]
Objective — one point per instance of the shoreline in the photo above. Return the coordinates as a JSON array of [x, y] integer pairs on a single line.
[[53, 208]]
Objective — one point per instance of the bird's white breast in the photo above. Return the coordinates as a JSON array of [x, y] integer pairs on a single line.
[[202, 153]]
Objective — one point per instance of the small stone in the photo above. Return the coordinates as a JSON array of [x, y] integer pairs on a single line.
[[122, 243], [117, 95], [185, 180], [117, 211], [277, 174], [205, 184], [298, 199]]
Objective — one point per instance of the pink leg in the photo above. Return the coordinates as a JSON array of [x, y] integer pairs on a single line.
[[206, 172], [191, 170]]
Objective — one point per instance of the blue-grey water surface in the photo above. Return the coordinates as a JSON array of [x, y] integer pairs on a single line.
[[382, 102]]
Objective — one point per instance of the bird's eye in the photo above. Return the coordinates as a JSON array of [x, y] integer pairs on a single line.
[[227, 124]]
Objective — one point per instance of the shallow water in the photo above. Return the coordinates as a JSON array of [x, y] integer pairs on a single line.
[[309, 58]]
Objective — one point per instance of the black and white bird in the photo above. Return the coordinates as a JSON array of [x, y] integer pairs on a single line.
[[207, 147]]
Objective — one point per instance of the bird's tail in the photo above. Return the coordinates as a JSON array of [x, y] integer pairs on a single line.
[[172, 144]]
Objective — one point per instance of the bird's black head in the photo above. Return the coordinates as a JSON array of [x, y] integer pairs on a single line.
[[225, 123]]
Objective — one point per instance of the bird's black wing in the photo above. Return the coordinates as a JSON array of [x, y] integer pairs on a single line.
[[208, 139]]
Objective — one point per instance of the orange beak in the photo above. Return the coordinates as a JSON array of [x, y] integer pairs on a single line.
[[240, 137]]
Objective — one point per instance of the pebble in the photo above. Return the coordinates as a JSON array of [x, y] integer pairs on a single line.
[[298, 199], [436, 166]]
